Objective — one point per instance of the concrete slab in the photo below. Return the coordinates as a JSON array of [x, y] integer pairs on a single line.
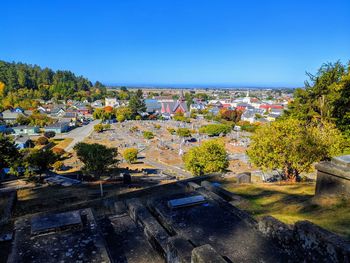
[[186, 201], [55, 222]]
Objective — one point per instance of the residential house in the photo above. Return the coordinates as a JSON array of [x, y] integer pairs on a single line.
[[83, 110], [23, 141], [25, 129], [153, 106], [97, 104], [112, 102], [57, 112], [249, 115], [58, 127], [10, 116], [197, 106]]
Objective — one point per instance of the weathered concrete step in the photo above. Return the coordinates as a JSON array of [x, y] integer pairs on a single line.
[[155, 233]]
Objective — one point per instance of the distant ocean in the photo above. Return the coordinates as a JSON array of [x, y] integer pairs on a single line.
[[191, 87]]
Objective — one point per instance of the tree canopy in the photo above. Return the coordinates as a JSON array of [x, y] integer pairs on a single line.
[[97, 158], [9, 153], [209, 157], [22, 83], [326, 97], [294, 145], [137, 103], [130, 154]]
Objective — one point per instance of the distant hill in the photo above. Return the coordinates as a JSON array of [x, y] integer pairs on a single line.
[[20, 83]]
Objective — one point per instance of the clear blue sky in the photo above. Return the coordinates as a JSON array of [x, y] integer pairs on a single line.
[[219, 42]]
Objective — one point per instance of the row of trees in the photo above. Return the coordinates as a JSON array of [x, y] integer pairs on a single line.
[[21, 83]]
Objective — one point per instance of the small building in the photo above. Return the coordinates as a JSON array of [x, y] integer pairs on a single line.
[[58, 127], [23, 141], [25, 129], [10, 116], [113, 102], [153, 105]]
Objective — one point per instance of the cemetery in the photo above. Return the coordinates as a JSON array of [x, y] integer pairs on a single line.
[[192, 220]]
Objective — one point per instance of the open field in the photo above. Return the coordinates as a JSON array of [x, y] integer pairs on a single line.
[[293, 202]]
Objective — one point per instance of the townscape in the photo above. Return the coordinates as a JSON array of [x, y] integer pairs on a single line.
[[242, 159]]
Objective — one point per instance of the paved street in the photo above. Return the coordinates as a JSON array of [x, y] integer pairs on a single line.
[[79, 134]]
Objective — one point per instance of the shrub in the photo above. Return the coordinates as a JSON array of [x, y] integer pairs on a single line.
[[215, 129], [42, 141], [157, 126], [138, 117], [120, 118], [59, 151], [171, 130], [130, 155], [58, 166], [148, 135], [134, 129], [49, 134], [183, 132], [99, 127], [107, 126]]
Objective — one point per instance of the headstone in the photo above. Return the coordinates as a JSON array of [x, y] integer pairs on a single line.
[[206, 253], [333, 177], [244, 178]]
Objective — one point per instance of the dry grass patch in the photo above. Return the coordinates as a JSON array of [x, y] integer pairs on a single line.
[[293, 202], [62, 143]]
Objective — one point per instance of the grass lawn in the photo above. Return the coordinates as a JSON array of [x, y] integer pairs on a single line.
[[62, 143], [293, 202]]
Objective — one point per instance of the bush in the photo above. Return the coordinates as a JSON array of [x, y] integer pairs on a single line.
[[99, 127], [134, 129], [49, 134], [120, 118], [138, 117], [59, 151], [107, 126], [148, 135], [171, 130], [157, 126], [215, 129], [58, 166], [42, 141], [183, 132], [130, 155]]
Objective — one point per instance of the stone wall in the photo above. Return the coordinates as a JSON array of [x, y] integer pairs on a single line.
[[306, 241], [6, 213]]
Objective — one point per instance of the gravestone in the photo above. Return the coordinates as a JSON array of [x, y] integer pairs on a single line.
[[244, 178], [333, 177]]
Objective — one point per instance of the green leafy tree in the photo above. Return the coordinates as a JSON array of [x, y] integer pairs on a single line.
[[130, 155], [40, 160], [9, 154], [97, 158], [215, 129], [210, 157], [183, 132], [293, 146], [137, 103], [326, 97]]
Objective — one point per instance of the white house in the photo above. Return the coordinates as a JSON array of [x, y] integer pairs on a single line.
[[113, 102]]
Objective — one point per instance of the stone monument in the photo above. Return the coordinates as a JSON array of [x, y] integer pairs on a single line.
[[333, 177]]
